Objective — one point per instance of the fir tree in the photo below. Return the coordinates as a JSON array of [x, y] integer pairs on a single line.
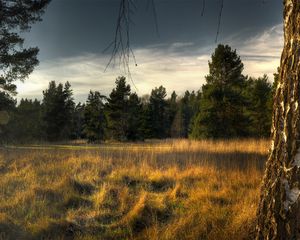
[[222, 103], [94, 118], [157, 113], [78, 122], [57, 111], [117, 110], [260, 107], [135, 118], [187, 107], [26, 123]]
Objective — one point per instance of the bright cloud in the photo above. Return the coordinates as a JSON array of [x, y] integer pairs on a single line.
[[179, 67], [261, 54]]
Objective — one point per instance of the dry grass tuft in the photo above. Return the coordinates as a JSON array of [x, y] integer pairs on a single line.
[[157, 190]]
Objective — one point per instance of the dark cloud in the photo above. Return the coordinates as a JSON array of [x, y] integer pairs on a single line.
[[74, 33], [74, 27]]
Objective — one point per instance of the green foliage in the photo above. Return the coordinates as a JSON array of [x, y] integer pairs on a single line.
[[17, 62], [94, 118], [7, 103], [27, 119], [229, 106], [117, 113], [171, 112], [222, 103], [25, 123], [187, 107], [260, 107], [78, 119], [135, 119], [7, 108], [124, 112], [58, 107], [157, 118]]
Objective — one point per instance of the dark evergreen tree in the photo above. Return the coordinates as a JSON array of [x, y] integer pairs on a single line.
[[177, 128], [57, 111], [117, 110], [7, 111], [260, 110], [157, 118], [171, 112], [146, 117], [26, 123], [187, 107], [222, 104], [135, 118], [17, 62], [191, 110], [78, 122], [69, 108], [94, 117]]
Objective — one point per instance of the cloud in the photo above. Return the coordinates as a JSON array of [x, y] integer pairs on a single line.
[[261, 54], [155, 67], [178, 66]]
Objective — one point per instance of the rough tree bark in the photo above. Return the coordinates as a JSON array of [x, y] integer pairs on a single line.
[[279, 208]]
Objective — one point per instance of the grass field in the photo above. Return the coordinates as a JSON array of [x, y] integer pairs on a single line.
[[176, 189]]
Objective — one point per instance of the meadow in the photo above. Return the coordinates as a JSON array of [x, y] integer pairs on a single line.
[[174, 189]]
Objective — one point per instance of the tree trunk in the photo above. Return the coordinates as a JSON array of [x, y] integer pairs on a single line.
[[279, 207]]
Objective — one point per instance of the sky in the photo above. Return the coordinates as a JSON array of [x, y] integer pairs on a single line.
[[74, 34]]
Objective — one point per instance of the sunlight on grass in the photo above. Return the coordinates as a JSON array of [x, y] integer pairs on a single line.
[[176, 189]]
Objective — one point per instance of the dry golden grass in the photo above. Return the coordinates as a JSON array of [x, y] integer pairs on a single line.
[[176, 189]]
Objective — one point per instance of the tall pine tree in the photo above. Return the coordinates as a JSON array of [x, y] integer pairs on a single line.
[[260, 97], [57, 111], [135, 118], [117, 110], [157, 116], [94, 117], [222, 104]]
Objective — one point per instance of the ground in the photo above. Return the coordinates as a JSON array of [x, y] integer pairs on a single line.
[[175, 189]]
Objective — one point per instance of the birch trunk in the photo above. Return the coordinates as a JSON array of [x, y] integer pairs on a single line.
[[279, 208]]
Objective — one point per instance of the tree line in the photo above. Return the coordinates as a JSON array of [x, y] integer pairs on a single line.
[[229, 105]]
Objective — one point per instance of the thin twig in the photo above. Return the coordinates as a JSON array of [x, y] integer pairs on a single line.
[[120, 46], [219, 20], [203, 8], [154, 14]]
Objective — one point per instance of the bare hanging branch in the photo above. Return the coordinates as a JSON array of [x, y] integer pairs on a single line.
[[153, 8], [120, 46], [203, 8], [219, 20]]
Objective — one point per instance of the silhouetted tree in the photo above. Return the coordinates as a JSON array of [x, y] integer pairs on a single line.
[[57, 111], [157, 118], [78, 122], [171, 110], [69, 108], [16, 61], [135, 118], [94, 117], [117, 110], [26, 122], [7, 109], [187, 107]]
